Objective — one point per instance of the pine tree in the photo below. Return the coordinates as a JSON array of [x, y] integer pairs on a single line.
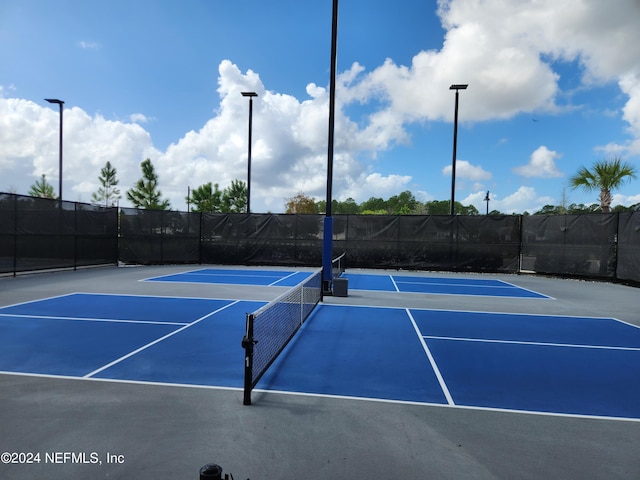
[[145, 193], [108, 192], [42, 189], [206, 198], [234, 197]]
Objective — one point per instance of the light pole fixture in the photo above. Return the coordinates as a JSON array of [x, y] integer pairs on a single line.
[[60, 104], [250, 95], [457, 87], [486, 199]]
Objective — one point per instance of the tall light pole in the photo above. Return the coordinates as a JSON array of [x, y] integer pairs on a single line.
[[486, 199], [327, 234], [60, 104], [457, 87], [250, 95]]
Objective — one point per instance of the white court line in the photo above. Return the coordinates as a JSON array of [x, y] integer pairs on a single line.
[[475, 285], [540, 344], [506, 285], [172, 274], [102, 294], [527, 289], [517, 297], [283, 278], [436, 370], [27, 302], [240, 273], [144, 347], [325, 395], [395, 285], [440, 405], [90, 319], [490, 312]]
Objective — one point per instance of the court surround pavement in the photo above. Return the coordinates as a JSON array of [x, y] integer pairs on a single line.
[[91, 428]]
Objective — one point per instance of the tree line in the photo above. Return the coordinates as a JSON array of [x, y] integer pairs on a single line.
[[604, 177], [145, 193]]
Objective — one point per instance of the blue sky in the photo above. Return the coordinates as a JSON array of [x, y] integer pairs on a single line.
[[553, 86]]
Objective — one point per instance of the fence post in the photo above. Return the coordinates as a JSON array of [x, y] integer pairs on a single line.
[[15, 235], [520, 240]]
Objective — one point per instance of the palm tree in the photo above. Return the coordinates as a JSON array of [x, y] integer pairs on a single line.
[[605, 175]]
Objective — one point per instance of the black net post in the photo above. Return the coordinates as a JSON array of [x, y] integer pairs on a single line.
[[247, 344]]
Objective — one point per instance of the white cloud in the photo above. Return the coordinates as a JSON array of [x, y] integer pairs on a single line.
[[5, 89], [523, 199], [88, 45], [630, 84], [288, 152], [626, 200], [29, 148], [138, 118], [541, 164], [504, 49], [375, 184], [464, 170]]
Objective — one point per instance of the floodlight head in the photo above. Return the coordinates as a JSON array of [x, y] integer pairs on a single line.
[[54, 100], [249, 94], [458, 86]]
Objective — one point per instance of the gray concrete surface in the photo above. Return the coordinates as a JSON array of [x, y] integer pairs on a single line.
[[144, 431]]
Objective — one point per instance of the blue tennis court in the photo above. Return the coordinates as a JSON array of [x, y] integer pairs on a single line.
[[537, 363], [127, 337], [271, 278], [357, 281], [555, 364], [438, 285]]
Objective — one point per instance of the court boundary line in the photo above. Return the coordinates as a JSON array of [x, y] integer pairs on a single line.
[[455, 407], [586, 317], [273, 284], [432, 361], [239, 274], [38, 300], [526, 289], [534, 344], [324, 395], [137, 295], [158, 340], [118, 380], [508, 285], [288, 274], [541, 297], [464, 285], [91, 319]]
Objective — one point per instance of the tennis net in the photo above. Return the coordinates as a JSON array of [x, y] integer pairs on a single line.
[[271, 327]]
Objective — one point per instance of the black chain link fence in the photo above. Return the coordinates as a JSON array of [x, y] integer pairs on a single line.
[[42, 234], [38, 234]]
